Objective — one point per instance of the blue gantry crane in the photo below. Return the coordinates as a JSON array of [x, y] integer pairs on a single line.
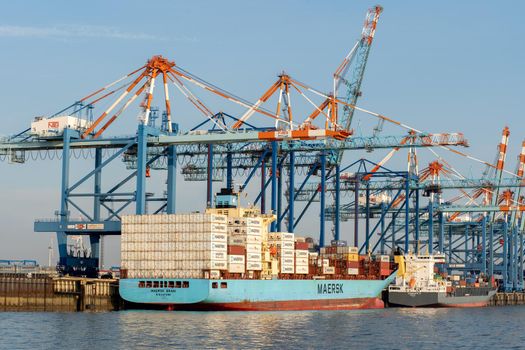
[[297, 160]]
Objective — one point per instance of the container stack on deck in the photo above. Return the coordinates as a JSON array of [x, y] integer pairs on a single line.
[[174, 246], [217, 246], [345, 262], [282, 247], [246, 235], [301, 256]]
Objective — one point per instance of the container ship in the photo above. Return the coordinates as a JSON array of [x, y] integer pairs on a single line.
[[226, 259], [419, 284]]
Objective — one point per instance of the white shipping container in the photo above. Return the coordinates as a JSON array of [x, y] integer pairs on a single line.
[[220, 246], [237, 240], [301, 254], [353, 250], [287, 269], [221, 219], [287, 261], [301, 261], [218, 237], [236, 268], [254, 239], [254, 222], [281, 236], [253, 248], [216, 255], [253, 231], [210, 227], [342, 250], [55, 126], [287, 245], [217, 265], [174, 219], [125, 219], [215, 274], [196, 274], [243, 239], [328, 270], [236, 259], [288, 253], [253, 266], [353, 271], [253, 257], [302, 270]]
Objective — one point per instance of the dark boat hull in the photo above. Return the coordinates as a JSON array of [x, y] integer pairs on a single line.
[[477, 297]]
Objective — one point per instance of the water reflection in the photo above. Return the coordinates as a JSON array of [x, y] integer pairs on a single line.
[[420, 312], [359, 329]]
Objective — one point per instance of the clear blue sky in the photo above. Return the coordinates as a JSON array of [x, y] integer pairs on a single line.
[[438, 66]]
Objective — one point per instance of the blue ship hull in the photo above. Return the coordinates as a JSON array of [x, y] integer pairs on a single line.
[[237, 294]]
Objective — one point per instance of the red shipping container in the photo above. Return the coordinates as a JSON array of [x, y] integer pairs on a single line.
[[236, 250], [385, 272], [352, 264], [301, 245]]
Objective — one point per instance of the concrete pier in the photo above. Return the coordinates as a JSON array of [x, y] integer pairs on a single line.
[[41, 292], [507, 299]]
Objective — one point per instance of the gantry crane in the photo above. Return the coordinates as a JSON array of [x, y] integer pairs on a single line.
[[279, 144]]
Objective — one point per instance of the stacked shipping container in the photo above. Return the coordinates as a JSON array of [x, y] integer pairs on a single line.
[[249, 234], [282, 244], [301, 256], [215, 246], [345, 260], [236, 259], [173, 246]]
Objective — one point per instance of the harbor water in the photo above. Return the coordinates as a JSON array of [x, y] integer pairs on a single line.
[[480, 328]]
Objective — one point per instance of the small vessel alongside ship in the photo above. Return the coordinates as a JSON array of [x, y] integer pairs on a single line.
[[419, 284], [225, 259]]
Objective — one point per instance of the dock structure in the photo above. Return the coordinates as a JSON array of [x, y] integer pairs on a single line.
[[508, 299], [43, 292]]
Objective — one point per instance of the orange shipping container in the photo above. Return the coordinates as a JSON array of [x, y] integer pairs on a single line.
[[384, 265]]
